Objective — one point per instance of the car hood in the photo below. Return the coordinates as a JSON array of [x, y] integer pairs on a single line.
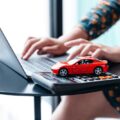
[[59, 65], [105, 61]]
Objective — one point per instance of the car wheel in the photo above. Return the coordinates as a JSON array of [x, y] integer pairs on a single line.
[[63, 72], [98, 71]]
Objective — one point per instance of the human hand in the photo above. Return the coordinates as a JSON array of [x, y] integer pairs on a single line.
[[51, 45], [87, 48], [43, 46]]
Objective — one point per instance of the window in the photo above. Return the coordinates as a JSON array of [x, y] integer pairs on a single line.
[[69, 14], [81, 62], [85, 61], [88, 61], [20, 19]]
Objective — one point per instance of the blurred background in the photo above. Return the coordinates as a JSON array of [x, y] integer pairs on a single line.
[[20, 19]]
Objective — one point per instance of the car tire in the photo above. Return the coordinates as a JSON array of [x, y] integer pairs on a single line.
[[63, 72], [98, 71]]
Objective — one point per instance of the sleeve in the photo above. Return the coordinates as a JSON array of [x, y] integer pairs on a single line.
[[101, 18], [113, 97]]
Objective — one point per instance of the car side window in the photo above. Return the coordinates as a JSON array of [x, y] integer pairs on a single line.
[[81, 62], [88, 61]]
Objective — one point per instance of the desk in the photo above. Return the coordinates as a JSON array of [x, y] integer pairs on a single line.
[[13, 84]]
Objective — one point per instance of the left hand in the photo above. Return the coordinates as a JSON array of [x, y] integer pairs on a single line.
[[43, 46]]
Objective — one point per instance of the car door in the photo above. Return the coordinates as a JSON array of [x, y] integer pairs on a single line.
[[80, 67], [85, 67], [88, 66]]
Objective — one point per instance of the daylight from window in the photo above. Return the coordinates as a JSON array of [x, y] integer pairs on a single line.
[[20, 19]]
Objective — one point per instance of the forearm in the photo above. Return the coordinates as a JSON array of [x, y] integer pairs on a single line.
[[76, 33]]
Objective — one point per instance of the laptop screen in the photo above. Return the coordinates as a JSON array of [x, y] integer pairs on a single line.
[[8, 57]]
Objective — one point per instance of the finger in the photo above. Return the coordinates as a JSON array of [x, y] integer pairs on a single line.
[[90, 53], [37, 45], [75, 42], [31, 50], [28, 44], [51, 49], [29, 38], [87, 49], [98, 53], [76, 52], [45, 42], [40, 52]]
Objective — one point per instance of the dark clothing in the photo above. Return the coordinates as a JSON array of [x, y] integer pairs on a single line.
[[101, 18]]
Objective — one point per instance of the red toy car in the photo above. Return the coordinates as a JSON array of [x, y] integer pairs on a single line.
[[81, 65]]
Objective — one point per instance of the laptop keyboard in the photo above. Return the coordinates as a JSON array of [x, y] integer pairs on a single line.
[[40, 63], [28, 66]]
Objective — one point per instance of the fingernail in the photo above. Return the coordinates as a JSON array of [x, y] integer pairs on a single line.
[[66, 44], [68, 58], [24, 57]]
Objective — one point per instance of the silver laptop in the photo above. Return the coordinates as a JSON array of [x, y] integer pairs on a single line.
[[35, 64]]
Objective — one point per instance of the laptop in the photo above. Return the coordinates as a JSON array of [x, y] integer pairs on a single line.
[[38, 68]]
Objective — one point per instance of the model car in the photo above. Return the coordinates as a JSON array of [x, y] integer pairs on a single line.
[[81, 65]]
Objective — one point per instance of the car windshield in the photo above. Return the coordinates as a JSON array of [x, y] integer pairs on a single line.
[[73, 61]]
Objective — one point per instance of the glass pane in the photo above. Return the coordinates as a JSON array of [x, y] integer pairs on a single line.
[[20, 19], [69, 14]]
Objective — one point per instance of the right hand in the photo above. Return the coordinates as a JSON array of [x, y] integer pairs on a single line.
[[43, 46], [87, 48]]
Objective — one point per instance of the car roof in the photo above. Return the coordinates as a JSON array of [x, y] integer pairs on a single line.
[[86, 57], [82, 58]]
